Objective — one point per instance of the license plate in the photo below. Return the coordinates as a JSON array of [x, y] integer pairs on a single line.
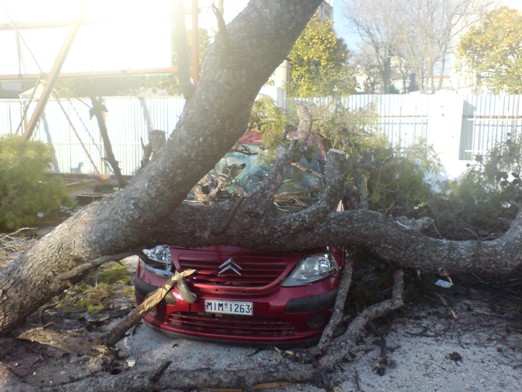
[[229, 307]]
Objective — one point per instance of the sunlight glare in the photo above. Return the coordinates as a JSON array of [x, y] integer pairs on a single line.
[[116, 34]]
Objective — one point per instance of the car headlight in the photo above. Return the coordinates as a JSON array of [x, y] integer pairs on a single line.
[[311, 269], [159, 260]]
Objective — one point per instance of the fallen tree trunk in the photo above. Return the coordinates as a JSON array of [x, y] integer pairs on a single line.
[[178, 379], [236, 67], [395, 240], [148, 211]]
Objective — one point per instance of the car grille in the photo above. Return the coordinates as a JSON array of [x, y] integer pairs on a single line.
[[229, 325], [255, 272]]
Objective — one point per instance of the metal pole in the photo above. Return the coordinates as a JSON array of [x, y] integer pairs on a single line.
[[195, 43], [53, 76]]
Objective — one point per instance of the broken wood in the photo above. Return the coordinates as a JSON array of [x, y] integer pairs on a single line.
[[118, 332], [97, 111], [157, 139]]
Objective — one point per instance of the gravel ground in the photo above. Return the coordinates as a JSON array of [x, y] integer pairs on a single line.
[[427, 350]]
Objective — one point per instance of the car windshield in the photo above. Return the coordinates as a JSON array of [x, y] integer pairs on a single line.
[[246, 165]]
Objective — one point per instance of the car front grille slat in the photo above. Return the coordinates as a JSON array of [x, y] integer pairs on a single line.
[[230, 325], [254, 272]]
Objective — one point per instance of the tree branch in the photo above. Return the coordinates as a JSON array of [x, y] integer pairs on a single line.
[[345, 343], [261, 198], [80, 270], [385, 237], [336, 169], [97, 110], [338, 310]]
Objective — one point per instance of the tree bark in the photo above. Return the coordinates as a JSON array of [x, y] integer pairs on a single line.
[[398, 241], [258, 40], [194, 379]]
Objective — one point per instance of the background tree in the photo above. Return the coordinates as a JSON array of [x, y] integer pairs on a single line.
[[493, 50], [373, 23], [366, 68], [421, 33], [319, 63]]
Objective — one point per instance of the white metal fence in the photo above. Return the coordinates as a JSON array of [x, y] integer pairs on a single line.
[[75, 136], [488, 119], [458, 127]]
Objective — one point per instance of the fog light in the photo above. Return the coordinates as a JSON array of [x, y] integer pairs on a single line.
[[315, 321]]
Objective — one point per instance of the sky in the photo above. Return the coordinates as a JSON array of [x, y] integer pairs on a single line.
[[341, 25], [136, 33], [129, 35]]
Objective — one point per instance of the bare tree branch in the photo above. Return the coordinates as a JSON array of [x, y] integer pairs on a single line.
[[338, 310]]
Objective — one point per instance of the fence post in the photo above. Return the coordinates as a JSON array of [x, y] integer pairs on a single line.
[[444, 128]]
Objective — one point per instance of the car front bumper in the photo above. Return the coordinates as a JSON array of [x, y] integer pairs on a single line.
[[285, 315]]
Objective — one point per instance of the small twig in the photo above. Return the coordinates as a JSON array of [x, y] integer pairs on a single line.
[[157, 375], [445, 303], [85, 267], [431, 335]]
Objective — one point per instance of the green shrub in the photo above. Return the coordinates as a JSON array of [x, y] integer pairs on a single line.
[[25, 191], [381, 177], [482, 204]]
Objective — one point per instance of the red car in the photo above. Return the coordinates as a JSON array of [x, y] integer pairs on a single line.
[[244, 295]]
